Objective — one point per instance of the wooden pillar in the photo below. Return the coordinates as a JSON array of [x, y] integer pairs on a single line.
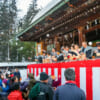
[[40, 47], [56, 43], [63, 39], [73, 37], [81, 35]]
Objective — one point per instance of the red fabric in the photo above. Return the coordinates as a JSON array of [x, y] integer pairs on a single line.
[[77, 79], [71, 82], [12, 75], [74, 58], [76, 65], [89, 84], [15, 95]]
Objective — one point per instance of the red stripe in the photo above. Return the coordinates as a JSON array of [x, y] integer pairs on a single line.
[[37, 72], [77, 73], [89, 88], [59, 69], [70, 82], [41, 69], [52, 71], [77, 65], [33, 70]]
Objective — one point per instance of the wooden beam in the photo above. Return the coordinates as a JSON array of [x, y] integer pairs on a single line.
[[81, 35], [92, 28]]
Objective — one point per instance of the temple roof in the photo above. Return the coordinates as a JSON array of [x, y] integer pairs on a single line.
[[46, 11]]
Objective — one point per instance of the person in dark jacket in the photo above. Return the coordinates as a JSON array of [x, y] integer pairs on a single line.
[[17, 73], [13, 81], [69, 91], [86, 50], [97, 52], [28, 85], [46, 92]]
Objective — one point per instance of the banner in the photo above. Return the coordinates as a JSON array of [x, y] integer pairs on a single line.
[[87, 74]]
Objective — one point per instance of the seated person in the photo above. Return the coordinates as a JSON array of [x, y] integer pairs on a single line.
[[97, 52], [49, 58], [60, 56], [66, 53], [53, 53], [77, 49], [54, 59], [38, 58], [44, 57], [86, 50], [72, 54], [75, 52]]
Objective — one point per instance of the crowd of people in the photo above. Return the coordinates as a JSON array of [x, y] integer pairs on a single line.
[[7, 80], [69, 53], [43, 87]]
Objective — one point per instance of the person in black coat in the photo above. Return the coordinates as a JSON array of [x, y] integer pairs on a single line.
[[60, 56], [87, 50], [69, 91], [46, 92], [17, 74], [97, 52]]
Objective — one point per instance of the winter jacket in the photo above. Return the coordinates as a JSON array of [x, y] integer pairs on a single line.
[[45, 90], [17, 74], [24, 85], [88, 51], [32, 82], [15, 95], [3, 96], [69, 91], [0, 82], [6, 88]]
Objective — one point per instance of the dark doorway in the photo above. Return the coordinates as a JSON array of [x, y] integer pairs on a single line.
[[93, 35]]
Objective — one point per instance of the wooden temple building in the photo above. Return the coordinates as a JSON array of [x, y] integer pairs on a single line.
[[63, 22]]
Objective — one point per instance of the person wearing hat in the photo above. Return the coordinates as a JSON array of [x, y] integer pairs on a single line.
[[97, 52], [46, 92]]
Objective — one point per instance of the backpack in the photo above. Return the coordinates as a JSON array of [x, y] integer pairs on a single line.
[[34, 92]]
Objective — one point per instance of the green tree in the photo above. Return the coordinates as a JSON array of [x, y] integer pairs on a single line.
[[32, 11], [25, 50], [8, 14], [20, 50]]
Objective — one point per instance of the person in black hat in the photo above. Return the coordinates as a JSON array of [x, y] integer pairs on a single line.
[[46, 92], [97, 52]]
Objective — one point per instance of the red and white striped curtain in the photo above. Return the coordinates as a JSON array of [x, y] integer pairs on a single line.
[[87, 74]]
